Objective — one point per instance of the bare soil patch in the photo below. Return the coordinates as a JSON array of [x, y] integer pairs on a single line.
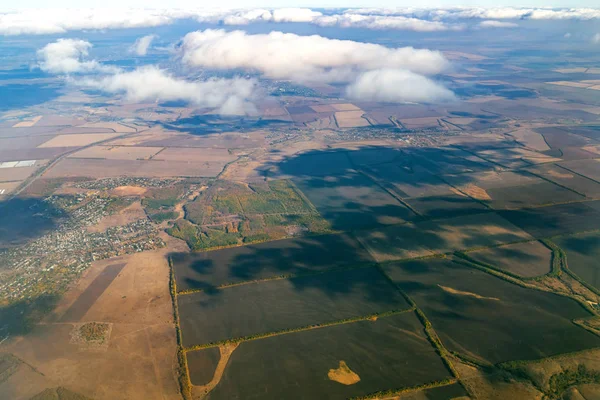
[[76, 140], [343, 374]]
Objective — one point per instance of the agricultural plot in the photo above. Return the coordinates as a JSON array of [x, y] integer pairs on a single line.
[[561, 219], [588, 168], [282, 304], [445, 206], [405, 182], [449, 161], [454, 391], [315, 163], [99, 168], [77, 140], [539, 194], [427, 238], [353, 201], [583, 256], [375, 155], [469, 310], [336, 362], [564, 177], [515, 157], [202, 365], [264, 260], [196, 154], [18, 173], [350, 119], [117, 152], [526, 259]]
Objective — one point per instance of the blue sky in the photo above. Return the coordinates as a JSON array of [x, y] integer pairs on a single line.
[[5, 4]]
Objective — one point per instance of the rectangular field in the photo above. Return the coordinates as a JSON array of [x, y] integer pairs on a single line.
[[353, 201], [588, 168], [487, 318], [276, 305], [445, 206], [426, 238], [527, 259], [389, 353], [534, 195], [566, 178], [409, 183], [117, 152], [196, 154], [76, 139], [315, 163], [97, 168], [264, 260], [583, 256], [561, 219]]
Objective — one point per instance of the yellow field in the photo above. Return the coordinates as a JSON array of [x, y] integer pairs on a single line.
[[77, 139], [27, 123]]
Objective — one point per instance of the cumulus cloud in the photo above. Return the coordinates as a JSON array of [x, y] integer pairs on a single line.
[[141, 45], [280, 55], [52, 21], [397, 86], [497, 24], [384, 22], [66, 56], [229, 96]]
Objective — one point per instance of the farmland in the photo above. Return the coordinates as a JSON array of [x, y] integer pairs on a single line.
[[252, 309], [583, 256], [392, 354], [469, 309], [528, 259]]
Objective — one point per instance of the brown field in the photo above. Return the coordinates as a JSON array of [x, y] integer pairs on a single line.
[[7, 187], [128, 191], [139, 359], [441, 236], [530, 139], [196, 154], [18, 173], [326, 108], [127, 215], [76, 140], [589, 168], [345, 107], [117, 152], [114, 126], [97, 168], [416, 123], [350, 119], [490, 180]]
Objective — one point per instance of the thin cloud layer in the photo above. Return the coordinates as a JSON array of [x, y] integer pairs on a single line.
[[384, 22], [397, 86], [497, 24], [141, 45], [229, 96], [67, 56], [280, 55]]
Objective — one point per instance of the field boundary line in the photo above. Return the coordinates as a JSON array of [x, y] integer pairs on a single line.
[[275, 278], [372, 317], [391, 393], [577, 173]]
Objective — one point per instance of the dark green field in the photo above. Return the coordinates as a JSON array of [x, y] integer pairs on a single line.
[[283, 257], [353, 201], [390, 353], [447, 206], [561, 219], [583, 256], [487, 318], [454, 391], [538, 194], [527, 259], [271, 306]]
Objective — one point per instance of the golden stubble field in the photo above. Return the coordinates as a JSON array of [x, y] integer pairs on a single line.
[[139, 360]]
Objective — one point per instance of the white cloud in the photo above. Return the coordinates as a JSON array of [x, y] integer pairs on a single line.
[[229, 96], [497, 24], [141, 45], [66, 56], [397, 86], [280, 55], [384, 22], [567, 35], [295, 15], [596, 38]]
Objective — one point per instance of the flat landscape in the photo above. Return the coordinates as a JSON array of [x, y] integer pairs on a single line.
[[332, 203]]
